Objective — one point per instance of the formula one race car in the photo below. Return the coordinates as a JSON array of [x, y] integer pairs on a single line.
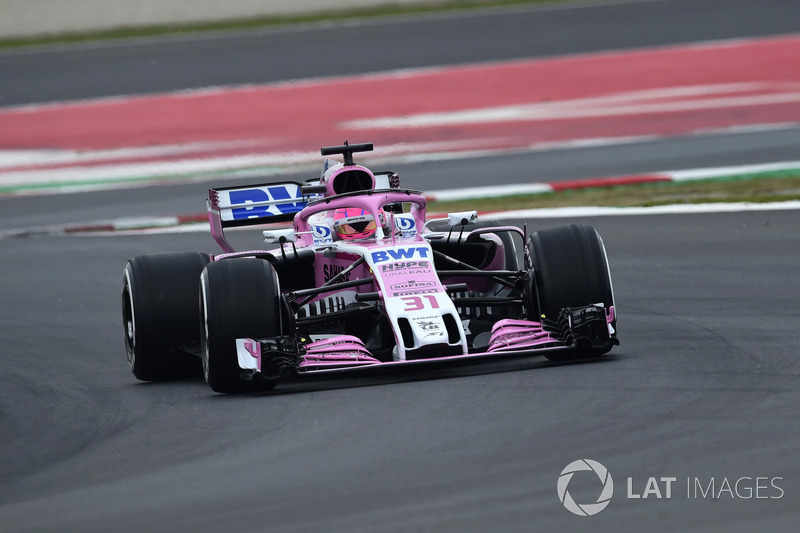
[[361, 280]]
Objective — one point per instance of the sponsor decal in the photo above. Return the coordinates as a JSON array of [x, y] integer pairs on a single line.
[[431, 326], [398, 254], [406, 285], [406, 265], [329, 271], [416, 291], [322, 234], [405, 224], [413, 287], [428, 325], [287, 200], [406, 268]]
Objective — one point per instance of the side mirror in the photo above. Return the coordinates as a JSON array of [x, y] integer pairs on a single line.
[[279, 236], [462, 218]]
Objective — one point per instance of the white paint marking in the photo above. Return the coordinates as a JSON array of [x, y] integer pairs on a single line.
[[675, 209], [489, 192], [18, 158], [703, 173], [617, 104]]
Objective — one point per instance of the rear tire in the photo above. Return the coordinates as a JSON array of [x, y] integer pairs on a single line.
[[159, 314], [239, 298], [570, 270]]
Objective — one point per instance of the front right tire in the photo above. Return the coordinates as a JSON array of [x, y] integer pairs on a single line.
[[570, 269]]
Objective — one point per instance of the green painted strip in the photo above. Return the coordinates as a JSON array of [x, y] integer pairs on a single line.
[[119, 183], [270, 21], [782, 173], [763, 187]]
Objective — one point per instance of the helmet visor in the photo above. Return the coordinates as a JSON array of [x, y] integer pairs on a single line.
[[356, 228]]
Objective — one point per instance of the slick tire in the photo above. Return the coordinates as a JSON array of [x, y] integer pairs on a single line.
[[239, 298], [159, 314], [570, 269]]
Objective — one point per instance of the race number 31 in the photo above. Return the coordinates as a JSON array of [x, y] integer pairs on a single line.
[[417, 303]]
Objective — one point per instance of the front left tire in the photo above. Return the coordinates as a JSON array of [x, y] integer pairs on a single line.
[[239, 298]]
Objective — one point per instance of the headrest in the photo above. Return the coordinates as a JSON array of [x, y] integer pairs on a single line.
[[350, 178]]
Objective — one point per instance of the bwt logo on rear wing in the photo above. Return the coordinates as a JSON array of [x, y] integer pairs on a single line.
[[254, 204], [258, 204]]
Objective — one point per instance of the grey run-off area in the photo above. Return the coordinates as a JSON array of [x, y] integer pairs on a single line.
[[26, 18]]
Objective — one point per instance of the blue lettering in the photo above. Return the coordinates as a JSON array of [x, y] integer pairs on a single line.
[[282, 193], [403, 253], [379, 257], [399, 253], [249, 195]]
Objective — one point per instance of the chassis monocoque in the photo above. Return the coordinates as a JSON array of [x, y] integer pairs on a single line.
[[406, 291]]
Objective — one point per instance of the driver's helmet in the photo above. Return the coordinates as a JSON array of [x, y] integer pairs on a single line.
[[353, 223]]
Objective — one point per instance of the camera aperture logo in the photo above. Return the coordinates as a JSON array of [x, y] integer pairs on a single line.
[[585, 509]]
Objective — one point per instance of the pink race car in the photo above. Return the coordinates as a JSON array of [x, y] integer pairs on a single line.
[[361, 280]]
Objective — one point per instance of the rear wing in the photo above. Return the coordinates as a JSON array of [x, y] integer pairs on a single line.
[[254, 204], [268, 203]]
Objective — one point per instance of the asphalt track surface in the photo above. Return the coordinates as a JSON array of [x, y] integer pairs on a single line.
[[704, 385]]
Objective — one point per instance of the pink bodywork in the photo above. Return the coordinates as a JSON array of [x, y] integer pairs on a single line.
[[341, 350], [511, 334]]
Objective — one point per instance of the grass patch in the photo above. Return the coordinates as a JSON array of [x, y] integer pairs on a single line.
[[767, 187], [265, 22]]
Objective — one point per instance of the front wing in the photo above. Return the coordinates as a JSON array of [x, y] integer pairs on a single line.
[[578, 332]]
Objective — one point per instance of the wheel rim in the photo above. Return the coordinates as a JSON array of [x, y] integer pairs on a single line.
[[129, 321]]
